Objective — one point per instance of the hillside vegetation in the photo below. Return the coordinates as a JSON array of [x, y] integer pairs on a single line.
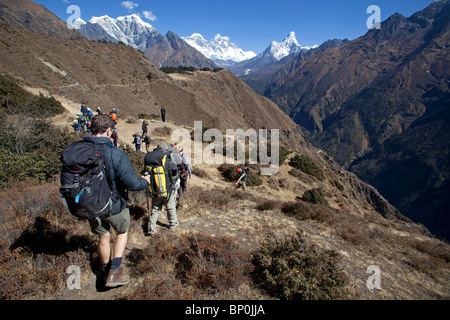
[[266, 243]]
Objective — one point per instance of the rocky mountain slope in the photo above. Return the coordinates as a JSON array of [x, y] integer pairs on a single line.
[[376, 92], [36, 18], [413, 265], [172, 51], [262, 76]]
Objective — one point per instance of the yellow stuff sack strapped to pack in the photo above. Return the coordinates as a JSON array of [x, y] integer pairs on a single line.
[[158, 186]]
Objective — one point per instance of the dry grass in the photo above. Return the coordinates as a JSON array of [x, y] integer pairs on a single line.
[[192, 266], [37, 247]]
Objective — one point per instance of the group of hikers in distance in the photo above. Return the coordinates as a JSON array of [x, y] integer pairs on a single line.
[[96, 177]]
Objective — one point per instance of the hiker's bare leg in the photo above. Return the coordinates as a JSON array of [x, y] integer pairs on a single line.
[[105, 248], [120, 245]]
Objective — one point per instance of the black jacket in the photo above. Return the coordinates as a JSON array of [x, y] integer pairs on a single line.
[[121, 171]]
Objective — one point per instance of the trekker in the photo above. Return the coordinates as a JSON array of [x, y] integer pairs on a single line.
[[123, 178], [147, 141], [185, 170], [84, 111], [90, 114], [115, 137], [156, 158], [88, 126], [163, 114], [137, 142], [82, 122], [99, 111], [144, 128], [77, 127], [113, 115], [242, 178]]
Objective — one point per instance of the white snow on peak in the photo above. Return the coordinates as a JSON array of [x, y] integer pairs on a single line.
[[221, 48], [279, 50], [131, 29]]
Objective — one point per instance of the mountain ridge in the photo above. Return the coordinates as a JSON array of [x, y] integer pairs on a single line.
[[353, 99]]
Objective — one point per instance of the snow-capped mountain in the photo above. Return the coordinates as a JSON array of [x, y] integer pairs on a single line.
[[221, 50], [164, 51], [290, 45], [274, 53], [131, 30]]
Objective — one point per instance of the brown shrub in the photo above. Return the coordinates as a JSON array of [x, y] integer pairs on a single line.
[[266, 205], [216, 198], [304, 211], [34, 266], [162, 131], [200, 172], [193, 265]]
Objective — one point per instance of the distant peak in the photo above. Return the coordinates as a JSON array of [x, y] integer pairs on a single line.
[[196, 35], [291, 38], [97, 19], [218, 37], [127, 19], [133, 16]]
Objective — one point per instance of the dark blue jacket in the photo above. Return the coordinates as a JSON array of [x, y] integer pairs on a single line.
[[121, 171]]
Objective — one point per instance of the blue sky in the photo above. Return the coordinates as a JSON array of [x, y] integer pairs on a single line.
[[252, 25]]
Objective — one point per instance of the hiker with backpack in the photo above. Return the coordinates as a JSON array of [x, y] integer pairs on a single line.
[[76, 127], [84, 110], [90, 114], [242, 178], [147, 141], [144, 128], [185, 172], [115, 137], [95, 179], [163, 174], [137, 142], [113, 115], [82, 122]]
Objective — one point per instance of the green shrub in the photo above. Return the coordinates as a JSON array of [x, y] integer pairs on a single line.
[[292, 269], [303, 211], [14, 100], [19, 167], [308, 166], [314, 196], [179, 69], [338, 185]]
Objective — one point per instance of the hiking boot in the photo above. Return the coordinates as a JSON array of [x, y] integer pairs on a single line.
[[117, 278], [174, 225]]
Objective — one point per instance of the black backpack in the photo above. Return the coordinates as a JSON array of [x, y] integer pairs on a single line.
[[86, 186]]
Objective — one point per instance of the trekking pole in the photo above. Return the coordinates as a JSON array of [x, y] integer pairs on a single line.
[[148, 197]]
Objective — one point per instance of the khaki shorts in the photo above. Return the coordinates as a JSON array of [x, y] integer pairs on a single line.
[[119, 222]]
